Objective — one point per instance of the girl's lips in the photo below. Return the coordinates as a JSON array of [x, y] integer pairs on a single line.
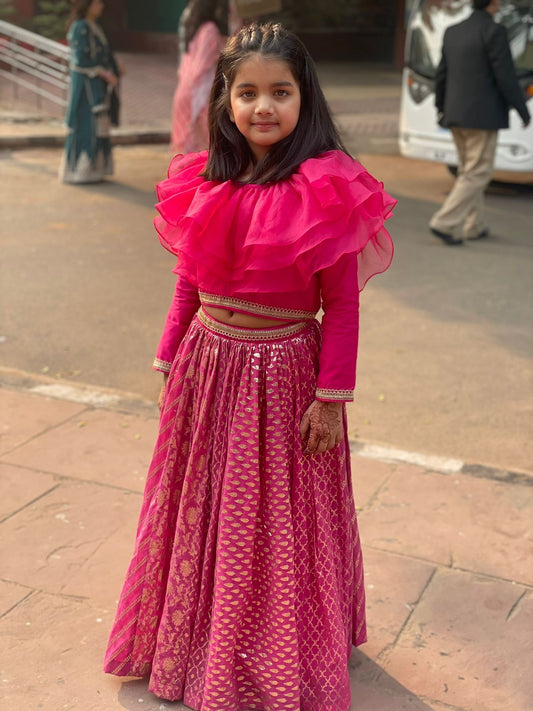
[[265, 125]]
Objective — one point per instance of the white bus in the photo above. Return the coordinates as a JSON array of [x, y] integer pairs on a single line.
[[420, 136]]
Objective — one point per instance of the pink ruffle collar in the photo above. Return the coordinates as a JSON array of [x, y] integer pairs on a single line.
[[232, 238]]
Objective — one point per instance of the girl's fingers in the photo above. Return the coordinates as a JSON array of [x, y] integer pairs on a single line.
[[304, 426]]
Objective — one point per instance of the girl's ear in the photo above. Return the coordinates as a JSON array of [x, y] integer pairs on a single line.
[[230, 114]]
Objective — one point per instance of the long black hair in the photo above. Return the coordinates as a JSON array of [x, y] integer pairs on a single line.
[[229, 154]]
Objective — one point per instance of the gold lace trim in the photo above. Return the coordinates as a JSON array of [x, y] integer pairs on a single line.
[[251, 307], [327, 394], [249, 334], [163, 365]]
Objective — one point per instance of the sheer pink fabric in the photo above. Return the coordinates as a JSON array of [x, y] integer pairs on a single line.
[[245, 590], [195, 77], [232, 238]]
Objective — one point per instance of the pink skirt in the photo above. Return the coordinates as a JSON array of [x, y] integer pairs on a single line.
[[245, 590]]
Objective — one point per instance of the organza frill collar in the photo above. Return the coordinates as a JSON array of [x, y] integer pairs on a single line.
[[232, 238]]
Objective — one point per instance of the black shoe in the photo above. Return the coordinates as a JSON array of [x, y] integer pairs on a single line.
[[445, 237], [484, 233]]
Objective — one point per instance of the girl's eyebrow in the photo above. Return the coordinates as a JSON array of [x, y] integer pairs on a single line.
[[245, 84]]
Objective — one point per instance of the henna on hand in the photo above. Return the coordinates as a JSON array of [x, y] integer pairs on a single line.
[[162, 392], [322, 425]]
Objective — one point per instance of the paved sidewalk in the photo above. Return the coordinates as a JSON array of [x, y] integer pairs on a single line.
[[448, 564], [365, 100]]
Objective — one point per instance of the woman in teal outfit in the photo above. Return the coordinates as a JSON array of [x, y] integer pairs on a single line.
[[93, 75]]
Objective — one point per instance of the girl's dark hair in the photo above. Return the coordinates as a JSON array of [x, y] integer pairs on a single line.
[[78, 11], [229, 154], [480, 4]]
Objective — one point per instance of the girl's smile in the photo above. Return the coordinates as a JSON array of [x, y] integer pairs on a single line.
[[264, 102]]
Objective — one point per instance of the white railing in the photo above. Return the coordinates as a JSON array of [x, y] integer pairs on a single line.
[[35, 63]]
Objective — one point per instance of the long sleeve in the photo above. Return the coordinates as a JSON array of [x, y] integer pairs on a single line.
[[440, 83], [340, 330], [80, 40], [502, 64], [185, 304]]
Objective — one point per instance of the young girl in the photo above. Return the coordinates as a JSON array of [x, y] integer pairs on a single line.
[[246, 586]]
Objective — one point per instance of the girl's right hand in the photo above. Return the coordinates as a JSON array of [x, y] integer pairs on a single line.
[[162, 392]]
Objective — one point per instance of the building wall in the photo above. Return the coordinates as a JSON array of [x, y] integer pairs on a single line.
[[24, 9], [154, 16], [354, 30], [359, 30]]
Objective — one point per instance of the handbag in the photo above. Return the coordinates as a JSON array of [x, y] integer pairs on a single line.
[[114, 106]]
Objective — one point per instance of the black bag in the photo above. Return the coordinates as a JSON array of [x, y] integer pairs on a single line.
[[114, 106]]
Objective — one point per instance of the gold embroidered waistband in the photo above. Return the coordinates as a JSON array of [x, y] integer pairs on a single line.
[[249, 334], [250, 307]]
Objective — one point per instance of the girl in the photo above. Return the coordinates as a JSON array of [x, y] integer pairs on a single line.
[[93, 74], [246, 586]]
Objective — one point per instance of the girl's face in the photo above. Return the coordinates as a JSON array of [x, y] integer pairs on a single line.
[[264, 102]]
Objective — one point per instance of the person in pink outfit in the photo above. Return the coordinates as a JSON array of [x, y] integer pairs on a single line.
[[195, 76], [245, 590]]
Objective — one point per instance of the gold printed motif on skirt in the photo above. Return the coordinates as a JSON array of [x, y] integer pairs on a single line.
[[250, 591]]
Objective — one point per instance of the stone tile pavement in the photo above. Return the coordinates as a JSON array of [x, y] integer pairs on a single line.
[[448, 564]]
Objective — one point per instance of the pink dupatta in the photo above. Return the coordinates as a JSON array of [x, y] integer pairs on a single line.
[[191, 98]]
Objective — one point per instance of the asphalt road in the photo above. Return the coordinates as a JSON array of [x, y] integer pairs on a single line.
[[445, 348]]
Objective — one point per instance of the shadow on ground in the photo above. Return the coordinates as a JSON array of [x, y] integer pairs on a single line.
[[372, 690]]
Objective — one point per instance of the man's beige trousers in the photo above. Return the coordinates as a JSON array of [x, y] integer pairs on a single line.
[[463, 211]]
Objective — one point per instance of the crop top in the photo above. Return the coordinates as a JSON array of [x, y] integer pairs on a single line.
[[281, 250]]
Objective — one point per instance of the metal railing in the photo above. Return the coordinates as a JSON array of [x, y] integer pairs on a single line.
[[35, 63]]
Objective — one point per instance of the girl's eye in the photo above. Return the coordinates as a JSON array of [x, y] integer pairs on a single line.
[[282, 92], [247, 94]]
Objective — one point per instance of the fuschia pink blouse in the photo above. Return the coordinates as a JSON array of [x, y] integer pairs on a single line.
[[281, 250]]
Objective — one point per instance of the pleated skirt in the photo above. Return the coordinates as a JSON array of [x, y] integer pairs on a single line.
[[245, 590]]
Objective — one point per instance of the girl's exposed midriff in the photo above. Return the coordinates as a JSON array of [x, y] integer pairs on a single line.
[[236, 318]]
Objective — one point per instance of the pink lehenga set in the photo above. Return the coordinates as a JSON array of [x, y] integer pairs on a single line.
[[246, 590]]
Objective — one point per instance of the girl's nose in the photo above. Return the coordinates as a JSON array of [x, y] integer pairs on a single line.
[[263, 105]]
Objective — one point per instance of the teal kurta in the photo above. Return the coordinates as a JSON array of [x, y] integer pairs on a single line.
[[88, 156]]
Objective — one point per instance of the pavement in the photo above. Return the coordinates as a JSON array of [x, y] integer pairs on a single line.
[[447, 563], [447, 545]]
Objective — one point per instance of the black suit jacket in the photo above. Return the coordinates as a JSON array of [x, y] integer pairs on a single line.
[[476, 82]]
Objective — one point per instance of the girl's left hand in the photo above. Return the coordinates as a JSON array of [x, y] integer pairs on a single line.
[[322, 426]]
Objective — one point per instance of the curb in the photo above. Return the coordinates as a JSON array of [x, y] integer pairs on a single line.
[[442, 465], [357, 144], [84, 394], [107, 398], [57, 140]]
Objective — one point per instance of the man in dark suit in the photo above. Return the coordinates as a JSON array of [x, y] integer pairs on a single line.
[[475, 86]]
